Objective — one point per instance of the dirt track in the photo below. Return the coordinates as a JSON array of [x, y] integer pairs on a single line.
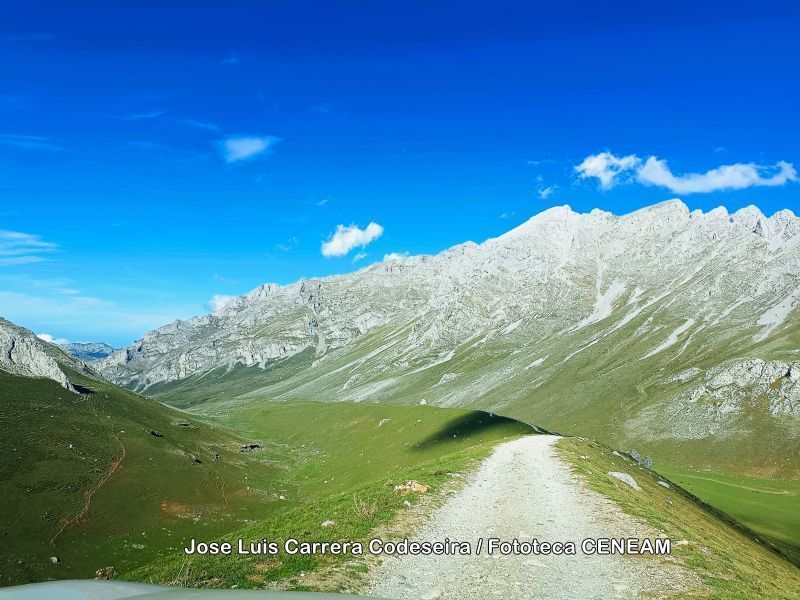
[[524, 491]]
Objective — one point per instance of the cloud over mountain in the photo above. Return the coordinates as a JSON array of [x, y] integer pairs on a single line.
[[345, 238], [610, 169]]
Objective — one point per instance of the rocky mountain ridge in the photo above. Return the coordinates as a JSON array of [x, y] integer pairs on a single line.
[[605, 308], [22, 353], [544, 249]]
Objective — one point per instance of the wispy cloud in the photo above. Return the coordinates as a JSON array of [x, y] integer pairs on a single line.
[[90, 318], [345, 238], [18, 248], [360, 256], [232, 59], [143, 116], [199, 125], [292, 242], [546, 192], [59, 286], [28, 142], [218, 301], [609, 169], [246, 147], [26, 37], [223, 279]]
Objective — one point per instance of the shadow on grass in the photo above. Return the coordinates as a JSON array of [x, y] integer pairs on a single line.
[[474, 424]]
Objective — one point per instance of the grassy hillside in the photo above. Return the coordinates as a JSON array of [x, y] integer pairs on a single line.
[[597, 381], [770, 507], [349, 458], [726, 556], [108, 478], [83, 479]]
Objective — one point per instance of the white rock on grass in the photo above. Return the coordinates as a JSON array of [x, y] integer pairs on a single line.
[[625, 478]]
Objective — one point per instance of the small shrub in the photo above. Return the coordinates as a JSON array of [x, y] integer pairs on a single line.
[[364, 510]]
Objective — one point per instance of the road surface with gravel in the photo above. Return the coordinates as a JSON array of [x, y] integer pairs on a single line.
[[524, 490]]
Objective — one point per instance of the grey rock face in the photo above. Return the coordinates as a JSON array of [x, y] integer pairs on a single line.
[[563, 282], [22, 353]]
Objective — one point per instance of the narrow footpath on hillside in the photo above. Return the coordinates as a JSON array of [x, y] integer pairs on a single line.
[[524, 490]]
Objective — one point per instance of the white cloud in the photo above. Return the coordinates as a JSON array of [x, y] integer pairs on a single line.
[[546, 192], [18, 248], [346, 238], [606, 167], [46, 337], [727, 177], [89, 318], [218, 301], [360, 256], [396, 256], [237, 148]]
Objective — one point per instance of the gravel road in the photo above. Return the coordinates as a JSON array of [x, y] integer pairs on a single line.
[[524, 490]]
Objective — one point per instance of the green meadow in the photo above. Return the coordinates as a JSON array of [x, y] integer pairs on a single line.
[[108, 478], [730, 560], [769, 507]]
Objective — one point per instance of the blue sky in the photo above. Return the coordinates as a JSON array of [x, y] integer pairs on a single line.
[[152, 157]]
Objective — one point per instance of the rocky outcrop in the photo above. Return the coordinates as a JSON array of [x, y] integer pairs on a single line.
[[22, 353], [739, 385]]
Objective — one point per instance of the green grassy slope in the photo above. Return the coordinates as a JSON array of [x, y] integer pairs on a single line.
[[729, 560], [607, 391], [349, 458], [770, 507], [593, 381], [83, 479]]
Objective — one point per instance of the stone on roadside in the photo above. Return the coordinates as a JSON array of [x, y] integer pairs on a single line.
[[411, 487]]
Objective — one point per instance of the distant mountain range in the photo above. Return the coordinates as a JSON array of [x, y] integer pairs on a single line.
[[88, 351], [671, 329], [22, 353], [667, 330]]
